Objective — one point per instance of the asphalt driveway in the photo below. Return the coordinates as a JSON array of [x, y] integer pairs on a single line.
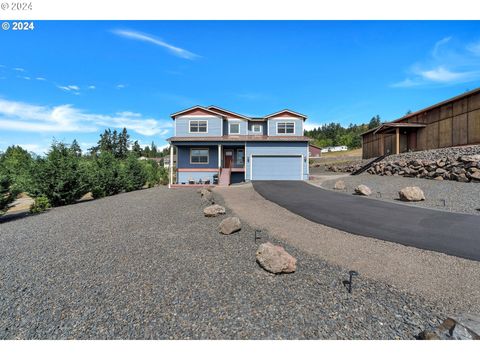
[[449, 233]]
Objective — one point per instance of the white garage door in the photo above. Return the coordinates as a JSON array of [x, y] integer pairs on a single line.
[[269, 167]]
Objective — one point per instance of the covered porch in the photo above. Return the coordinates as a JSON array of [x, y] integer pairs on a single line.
[[204, 164], [396, 138]]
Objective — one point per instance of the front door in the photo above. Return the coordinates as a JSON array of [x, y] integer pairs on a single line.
[[228, 160]]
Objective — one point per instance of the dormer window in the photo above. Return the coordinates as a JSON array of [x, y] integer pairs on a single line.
[[286, 128], [234, 128], [198, 126]]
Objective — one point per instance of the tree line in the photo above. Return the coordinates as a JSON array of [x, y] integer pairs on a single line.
[[65, 174], [334, 134]]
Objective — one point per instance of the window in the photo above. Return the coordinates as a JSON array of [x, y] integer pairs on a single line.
[[198, 126], [198, 156], [285, 128], [234, 128], [240, 157], [256, 128]]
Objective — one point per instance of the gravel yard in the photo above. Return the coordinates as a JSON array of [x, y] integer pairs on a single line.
[[149, 265], [441, 195]]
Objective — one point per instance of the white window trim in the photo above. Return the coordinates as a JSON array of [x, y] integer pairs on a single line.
[[230, 123], [196, 132], [257, 132], [286, 122], [237, 162], [203, 163]]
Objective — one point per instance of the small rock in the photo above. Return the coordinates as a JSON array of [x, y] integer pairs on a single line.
[[275, 259], [230, 225], [438, 178], [339, 185], [363, 190], [411, 193], [213, 210], [204, 191]]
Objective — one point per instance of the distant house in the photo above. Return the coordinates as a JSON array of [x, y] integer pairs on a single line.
[[334, 148], [314, 151], [214, 145], [156, 159]]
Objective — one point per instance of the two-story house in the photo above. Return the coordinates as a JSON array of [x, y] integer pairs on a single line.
[[214, 145]]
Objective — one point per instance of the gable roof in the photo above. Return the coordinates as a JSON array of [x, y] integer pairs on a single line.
[[220, 110], [197, 107], [286, 111]]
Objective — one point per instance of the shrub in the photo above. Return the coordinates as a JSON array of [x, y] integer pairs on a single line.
[[104, 175], [134, 174], [7, 193], [59, 176], [40, 204]]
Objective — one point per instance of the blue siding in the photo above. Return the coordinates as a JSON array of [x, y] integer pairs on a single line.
[[182, 126], [263, 124], [277, 148], [243, 126], [183, 177], [272, 126], [184, 157]]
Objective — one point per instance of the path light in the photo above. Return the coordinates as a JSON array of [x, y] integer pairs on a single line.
[[352, 273], [379, 194], [257, 237]]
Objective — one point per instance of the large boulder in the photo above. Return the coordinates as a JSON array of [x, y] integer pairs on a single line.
[[230, 225], [459, 327], [339, 185], [411, 193], [213, 210], [363, 190], [204, 191], [275, 259]]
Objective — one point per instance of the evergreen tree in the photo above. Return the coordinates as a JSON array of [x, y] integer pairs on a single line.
[[75, 148], [7, 193], [123, 144], [17, 164], [59, 176], [374, 122], [134, 175], [137, 149], [105, 175]]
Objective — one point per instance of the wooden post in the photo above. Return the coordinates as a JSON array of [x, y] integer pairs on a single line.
[[171, 165], [397, 150], [382, 144]]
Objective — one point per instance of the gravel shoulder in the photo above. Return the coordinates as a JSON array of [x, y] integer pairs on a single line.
[[440, 195], [149, 265], [447, 281]]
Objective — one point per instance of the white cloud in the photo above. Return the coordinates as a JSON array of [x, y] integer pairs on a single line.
[[130, 34], [40, 78], [121, 86], [74, 89], [450, 63], [92, 87], [19, 69], [22, 116], [26, 77]]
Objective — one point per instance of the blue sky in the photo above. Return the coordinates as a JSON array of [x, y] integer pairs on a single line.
[[73, 79]]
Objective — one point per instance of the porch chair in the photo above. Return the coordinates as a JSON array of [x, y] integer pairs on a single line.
[[191, 181]]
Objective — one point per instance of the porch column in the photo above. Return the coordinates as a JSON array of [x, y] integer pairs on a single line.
[[219, 156], [382, 144], [397, 142], [171, 166]]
